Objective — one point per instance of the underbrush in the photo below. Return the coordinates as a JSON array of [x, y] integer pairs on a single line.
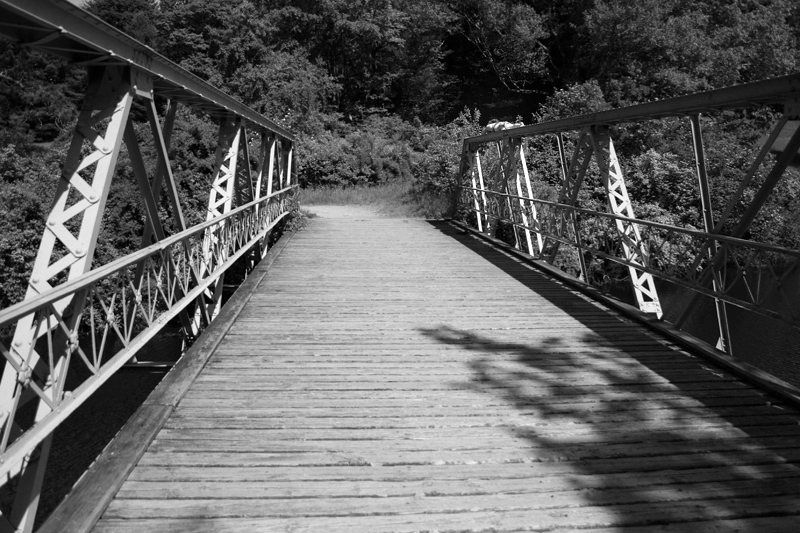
[[394, 199]]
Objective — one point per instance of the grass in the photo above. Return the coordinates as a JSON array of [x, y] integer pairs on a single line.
[[393, 199]]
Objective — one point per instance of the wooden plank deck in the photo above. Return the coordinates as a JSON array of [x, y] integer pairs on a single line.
[[397, 375]]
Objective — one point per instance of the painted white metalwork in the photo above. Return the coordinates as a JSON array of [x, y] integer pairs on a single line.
[[636, 254], [533, 213], [474, 168]]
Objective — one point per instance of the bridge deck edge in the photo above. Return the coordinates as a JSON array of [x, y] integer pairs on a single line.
[[94, 491]]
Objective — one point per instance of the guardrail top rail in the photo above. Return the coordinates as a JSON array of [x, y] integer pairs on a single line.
[[719, 261], [74, 317], [783, 91]]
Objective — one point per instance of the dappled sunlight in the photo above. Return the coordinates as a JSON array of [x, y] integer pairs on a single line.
[[632, 426]]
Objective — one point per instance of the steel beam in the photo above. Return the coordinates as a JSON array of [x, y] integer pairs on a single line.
[[766, 92], [725, 342], [633, 245], [80, 37], [470, 166], [572, 181], [109, 100]]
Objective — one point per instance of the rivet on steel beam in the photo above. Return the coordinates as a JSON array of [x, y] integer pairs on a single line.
[[79, 252], [51, 222], [93, 198]]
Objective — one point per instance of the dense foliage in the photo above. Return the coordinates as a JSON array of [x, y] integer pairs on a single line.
[[381, 90]]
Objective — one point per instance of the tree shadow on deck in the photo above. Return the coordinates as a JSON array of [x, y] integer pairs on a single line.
[[644, 433]]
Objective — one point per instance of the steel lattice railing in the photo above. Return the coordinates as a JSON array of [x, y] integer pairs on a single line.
[[122, 312], [750, 275], [497, 188]]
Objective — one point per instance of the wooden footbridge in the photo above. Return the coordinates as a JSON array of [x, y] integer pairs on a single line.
[[380, 378], [376, 374]]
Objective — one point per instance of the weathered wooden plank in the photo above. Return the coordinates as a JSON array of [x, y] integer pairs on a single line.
[[538, 435], [600, 423], [685, 512], [238, 484]]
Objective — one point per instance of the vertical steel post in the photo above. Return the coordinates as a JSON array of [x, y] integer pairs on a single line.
[[516, 151], [263, 154], [562, 159], [272, 143], [724, 343], [537, 226], [759, 199], [470, 166], [289, 162], [220, 201], [573, 176], [108, 101], [507, 173], [633, 246], [482, 183]]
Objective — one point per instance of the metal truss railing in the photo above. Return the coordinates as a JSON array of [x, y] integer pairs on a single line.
[[496, 186], [127, 302], [750, 274], [77, 319]]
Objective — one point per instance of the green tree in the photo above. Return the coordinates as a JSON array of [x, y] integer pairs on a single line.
[[137, 18], [509, 37]]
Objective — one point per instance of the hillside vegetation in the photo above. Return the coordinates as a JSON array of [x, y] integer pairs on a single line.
[[383, 91]]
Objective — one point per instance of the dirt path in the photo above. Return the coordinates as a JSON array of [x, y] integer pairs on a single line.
[[343, 211]]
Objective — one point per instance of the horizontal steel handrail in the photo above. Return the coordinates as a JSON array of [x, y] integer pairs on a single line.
[[701, 240], [641, 222]]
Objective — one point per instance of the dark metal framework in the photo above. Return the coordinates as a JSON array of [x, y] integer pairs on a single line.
[[75, 316], [496, 187]]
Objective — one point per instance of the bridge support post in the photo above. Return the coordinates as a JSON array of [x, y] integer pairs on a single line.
[[535, 222], [572, 180], [482, 186], [506, 168], [716, 261], [471, 160], [266, 167], [724, 342], [220, 201], [565, 173], [634, 248], [62, 253], [512, 150]]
